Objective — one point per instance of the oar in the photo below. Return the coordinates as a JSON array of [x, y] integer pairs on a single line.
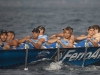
[[86, 47], [58, 46], [26, 56]]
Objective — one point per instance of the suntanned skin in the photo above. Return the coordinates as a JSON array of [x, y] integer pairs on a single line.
[[89, 36], [97, 35], [61, 35], [11, 41], [23, 39], [35, 36], [3, 38], [66, 36]]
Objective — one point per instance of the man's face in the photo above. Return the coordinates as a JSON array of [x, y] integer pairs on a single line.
[[35, 35], [91, 32], [96, 31], [3, 37], [41, 30], [66, 34], [10, 36]]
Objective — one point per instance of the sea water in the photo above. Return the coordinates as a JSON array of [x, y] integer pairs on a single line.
[[21, 16]]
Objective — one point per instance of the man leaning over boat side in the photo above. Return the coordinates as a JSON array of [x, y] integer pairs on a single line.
[[3, 40], [65, 41], [87, 39], [97, 33], [11, 40], [61, 35]]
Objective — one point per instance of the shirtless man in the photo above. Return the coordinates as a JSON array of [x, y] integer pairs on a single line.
[[87, 38], [11, 41], [97, 33], [61, 35], [65, 42]]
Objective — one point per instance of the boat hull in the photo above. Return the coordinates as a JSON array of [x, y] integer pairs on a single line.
[[17, 57], [75, 56]]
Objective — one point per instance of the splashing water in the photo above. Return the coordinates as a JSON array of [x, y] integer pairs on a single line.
[[54, 66]]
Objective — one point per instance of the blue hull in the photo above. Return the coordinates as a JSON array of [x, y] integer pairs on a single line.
[[72, 56], [75, 56], [17, 57]]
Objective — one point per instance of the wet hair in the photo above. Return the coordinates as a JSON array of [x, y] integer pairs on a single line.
[[90, 27], [12, 32], [68, 29], [36, 30], [3, 32], [41, 27], [96, 27]]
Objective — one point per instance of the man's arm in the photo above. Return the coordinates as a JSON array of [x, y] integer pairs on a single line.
[[7, 47], [53, 40], [40, 42], [81, 37], [13, 43], [34, 44], [56, 35], [23, 39]]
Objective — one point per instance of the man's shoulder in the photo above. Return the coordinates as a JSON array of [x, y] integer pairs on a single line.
[[97, 35]]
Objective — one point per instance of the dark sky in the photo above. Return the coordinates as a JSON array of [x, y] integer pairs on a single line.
[[48, 3]]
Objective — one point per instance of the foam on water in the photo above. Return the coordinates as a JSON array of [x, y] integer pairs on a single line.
[[54, 66]]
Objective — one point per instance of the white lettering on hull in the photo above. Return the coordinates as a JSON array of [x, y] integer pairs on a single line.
[[73, 56]]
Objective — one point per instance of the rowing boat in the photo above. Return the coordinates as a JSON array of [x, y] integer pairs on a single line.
[[73, 56]]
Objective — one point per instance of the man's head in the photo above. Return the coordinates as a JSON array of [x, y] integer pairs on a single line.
[[96, 29], [41, 29], [35, 33], [68, 27], [10, 35], [90, 30], [3, 36], [67, 32]]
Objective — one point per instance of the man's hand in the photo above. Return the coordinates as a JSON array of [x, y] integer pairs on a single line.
[[53, 36], [28, 40], [28, 37]]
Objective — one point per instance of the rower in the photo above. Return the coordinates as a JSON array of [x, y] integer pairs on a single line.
[[92, 42], [32, 42], [61, 35], [11, 40], [65, 41], [97, 33], [42, 37], [3, 40]]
